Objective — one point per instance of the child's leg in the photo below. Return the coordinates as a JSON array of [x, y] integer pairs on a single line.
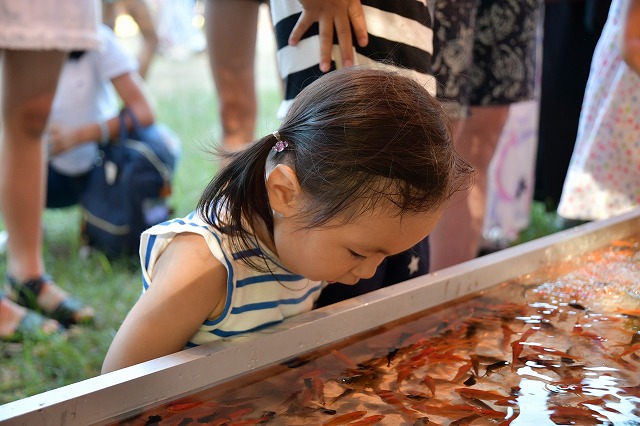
[[456, 238], [502, 72], [141, 14], [29, 82], [232, 66]]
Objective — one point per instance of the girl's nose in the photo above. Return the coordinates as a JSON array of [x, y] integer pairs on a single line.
[[367, 268]]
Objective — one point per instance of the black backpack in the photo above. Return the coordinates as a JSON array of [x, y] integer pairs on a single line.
[[128, 189]]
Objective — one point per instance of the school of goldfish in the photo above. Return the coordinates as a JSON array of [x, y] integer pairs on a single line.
[[561, 346]]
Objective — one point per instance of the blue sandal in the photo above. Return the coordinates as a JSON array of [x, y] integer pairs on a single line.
[[66, 313], [31, 327]]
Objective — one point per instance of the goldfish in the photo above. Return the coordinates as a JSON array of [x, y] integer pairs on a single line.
[[551, 351], [393, 399], [431, 384], [575, 415], [370, 420], [456, 410], [345, 418], [348, 362], [516, 346], [480, 394], [462, 371]]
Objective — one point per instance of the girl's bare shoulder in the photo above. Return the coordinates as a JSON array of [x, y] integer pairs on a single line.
[[188, 264]]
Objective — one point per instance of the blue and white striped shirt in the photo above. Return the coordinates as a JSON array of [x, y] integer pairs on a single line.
[[254, 299]]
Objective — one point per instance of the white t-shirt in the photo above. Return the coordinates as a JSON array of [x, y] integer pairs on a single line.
[[85, 95]]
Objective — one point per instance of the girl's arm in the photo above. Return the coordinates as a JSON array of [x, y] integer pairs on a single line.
[[189, 286], [131, 90], [631, 36]]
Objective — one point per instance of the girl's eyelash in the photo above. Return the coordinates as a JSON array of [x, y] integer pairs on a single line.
[[356, 255]]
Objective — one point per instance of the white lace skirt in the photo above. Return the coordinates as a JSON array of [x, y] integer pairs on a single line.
[[49, 24]]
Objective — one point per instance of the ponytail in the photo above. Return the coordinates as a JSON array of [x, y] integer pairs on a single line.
[[236, 197]]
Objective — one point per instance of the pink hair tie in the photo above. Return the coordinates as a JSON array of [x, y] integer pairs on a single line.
[[280, 145]]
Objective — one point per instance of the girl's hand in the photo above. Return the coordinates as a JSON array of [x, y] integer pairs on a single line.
[[61, 138], [344, 15]]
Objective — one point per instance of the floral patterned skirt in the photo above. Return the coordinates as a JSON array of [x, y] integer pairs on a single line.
[[485, 51]]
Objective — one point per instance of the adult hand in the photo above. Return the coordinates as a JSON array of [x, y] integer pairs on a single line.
[[341, 14], [61, 138]]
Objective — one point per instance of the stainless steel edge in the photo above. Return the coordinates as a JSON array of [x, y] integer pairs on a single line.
[[107, 398]]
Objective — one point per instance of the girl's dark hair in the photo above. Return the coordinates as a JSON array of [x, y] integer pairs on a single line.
[[356, 136]]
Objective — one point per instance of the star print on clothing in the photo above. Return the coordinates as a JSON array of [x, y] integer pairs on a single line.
[[413, 264]]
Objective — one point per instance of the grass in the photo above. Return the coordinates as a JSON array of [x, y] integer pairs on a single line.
[[185, 101]]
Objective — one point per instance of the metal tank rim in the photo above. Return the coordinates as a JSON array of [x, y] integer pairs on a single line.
[[121, 394]]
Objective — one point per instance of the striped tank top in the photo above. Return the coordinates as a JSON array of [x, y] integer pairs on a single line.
[[254, 299]]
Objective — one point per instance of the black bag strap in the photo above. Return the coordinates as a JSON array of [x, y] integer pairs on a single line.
[[124, 130], [156, 152]]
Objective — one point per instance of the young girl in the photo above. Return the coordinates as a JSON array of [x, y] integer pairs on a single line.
[[360, 169]]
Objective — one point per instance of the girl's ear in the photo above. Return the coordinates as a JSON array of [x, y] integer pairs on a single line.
[[284, 190]]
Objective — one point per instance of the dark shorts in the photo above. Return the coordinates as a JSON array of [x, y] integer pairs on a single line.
[[394, 269], [485, 51], [64, 191]]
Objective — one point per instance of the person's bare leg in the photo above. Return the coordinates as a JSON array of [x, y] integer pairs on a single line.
[[29, 81], [109, 14], [11, 314], [232, 66], [140, 11], [457, 236]]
